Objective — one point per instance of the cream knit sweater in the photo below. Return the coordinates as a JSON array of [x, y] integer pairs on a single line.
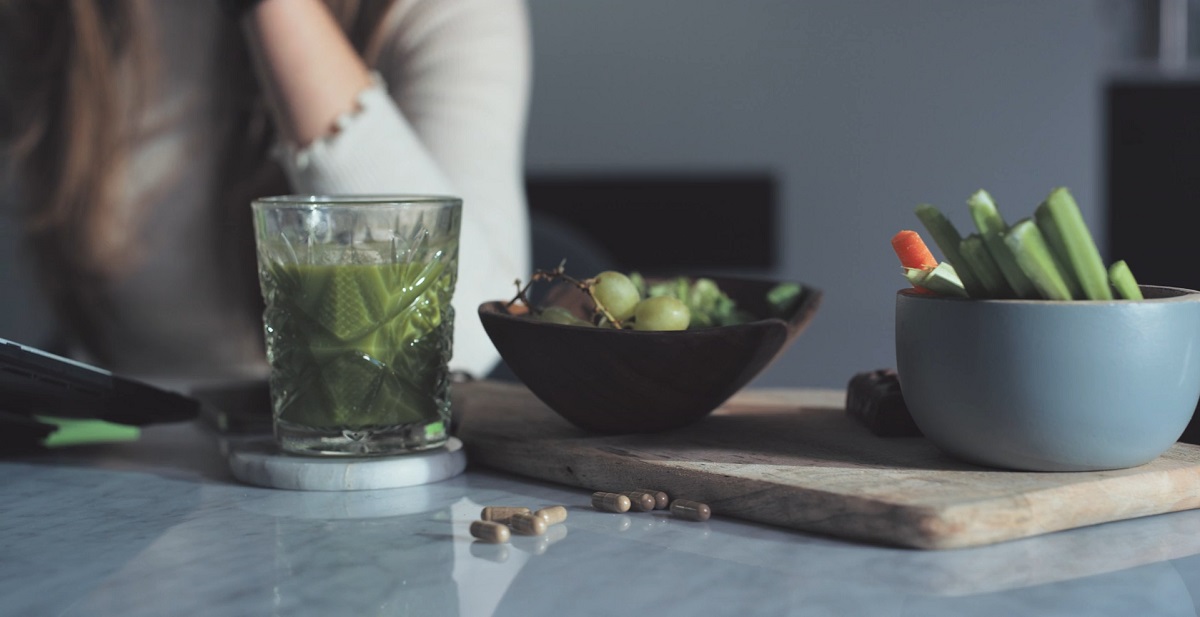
[[447, 116]]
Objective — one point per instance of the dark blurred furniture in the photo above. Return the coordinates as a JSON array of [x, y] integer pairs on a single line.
[[1153, 178], [664, 223], [1152, 170]]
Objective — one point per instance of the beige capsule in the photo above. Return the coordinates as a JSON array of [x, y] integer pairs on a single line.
[[690, 510], [501, 514], [490, 531], [641, 501], [528, 524], [553, 515], [661, 500], [610, 502]]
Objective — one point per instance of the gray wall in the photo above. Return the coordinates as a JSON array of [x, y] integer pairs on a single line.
[[863, 109]]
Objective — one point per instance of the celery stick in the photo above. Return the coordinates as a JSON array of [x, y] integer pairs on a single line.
[[1058, 248], [947, 239], [1077, 240], [976, 255], [1033, 255], [916, 276], [942, 280], [1122, 279], [992, 227]]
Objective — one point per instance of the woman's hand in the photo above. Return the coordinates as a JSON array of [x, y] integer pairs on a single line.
[[310, 71]]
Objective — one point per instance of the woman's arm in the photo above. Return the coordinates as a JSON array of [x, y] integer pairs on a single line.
[[447, 117], [309, 70]]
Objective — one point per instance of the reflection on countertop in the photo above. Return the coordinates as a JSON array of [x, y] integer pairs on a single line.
[[159, 527]]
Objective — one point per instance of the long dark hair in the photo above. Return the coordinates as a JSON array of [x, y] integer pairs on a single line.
[[72, 76]]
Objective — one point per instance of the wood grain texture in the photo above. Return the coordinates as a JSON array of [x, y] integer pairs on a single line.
[[793, 458]]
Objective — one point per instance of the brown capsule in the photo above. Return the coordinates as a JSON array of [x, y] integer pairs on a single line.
[[641, 501], [553, 515], [661, 500], [501, 514], [690, 510], [528, 524], [489, 531], [610, 502]]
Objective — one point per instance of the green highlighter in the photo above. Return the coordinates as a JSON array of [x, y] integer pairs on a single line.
[[73, 431], [49, 401], [22, 434]]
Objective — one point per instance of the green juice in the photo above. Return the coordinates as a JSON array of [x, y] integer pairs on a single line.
[[359, 354]]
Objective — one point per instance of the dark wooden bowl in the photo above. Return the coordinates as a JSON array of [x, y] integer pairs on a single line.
[[625, 381]]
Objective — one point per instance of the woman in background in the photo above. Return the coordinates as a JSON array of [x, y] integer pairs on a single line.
[[139, 132]]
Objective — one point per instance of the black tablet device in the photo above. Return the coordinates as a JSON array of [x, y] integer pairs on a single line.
[[34, 382]]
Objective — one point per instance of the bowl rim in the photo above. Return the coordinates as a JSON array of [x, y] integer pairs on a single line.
[[802, 313], [492, 307], [1177, 294]]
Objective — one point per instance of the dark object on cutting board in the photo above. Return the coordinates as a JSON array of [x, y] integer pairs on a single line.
[[874, 398]]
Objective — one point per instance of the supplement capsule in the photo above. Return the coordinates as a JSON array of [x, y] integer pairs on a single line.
[[489, 531], [501, 514], [640, 501], [528, 524], [610, 502], [661, 500], [553, 515], [690, 510]]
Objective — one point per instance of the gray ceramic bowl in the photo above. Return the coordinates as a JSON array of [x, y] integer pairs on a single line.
[[1041, 385]]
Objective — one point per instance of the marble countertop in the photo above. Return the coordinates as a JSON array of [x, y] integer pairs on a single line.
[[160, 527]]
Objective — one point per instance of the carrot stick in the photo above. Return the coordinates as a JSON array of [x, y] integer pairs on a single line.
[[912, 251]]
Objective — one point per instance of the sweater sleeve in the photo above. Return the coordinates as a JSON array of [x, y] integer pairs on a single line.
[[373, 148], [446, 115]]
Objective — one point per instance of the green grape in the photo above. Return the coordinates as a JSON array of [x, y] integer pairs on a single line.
[[704, 293], [560, 315], [702, 301], [616, 293], [639, 282], [661, 313], [782, 298]]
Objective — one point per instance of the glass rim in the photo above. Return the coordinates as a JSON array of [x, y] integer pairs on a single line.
[[337, 201]]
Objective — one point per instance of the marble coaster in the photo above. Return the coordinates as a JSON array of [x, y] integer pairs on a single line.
[[261, 462]]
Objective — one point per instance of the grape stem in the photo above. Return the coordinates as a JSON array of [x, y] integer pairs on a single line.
[[600, 306], [558, 274]]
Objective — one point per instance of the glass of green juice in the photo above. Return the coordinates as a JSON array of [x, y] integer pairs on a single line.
[[358, 319]]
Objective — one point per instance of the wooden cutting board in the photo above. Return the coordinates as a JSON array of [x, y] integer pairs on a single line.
[[793, 458]]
